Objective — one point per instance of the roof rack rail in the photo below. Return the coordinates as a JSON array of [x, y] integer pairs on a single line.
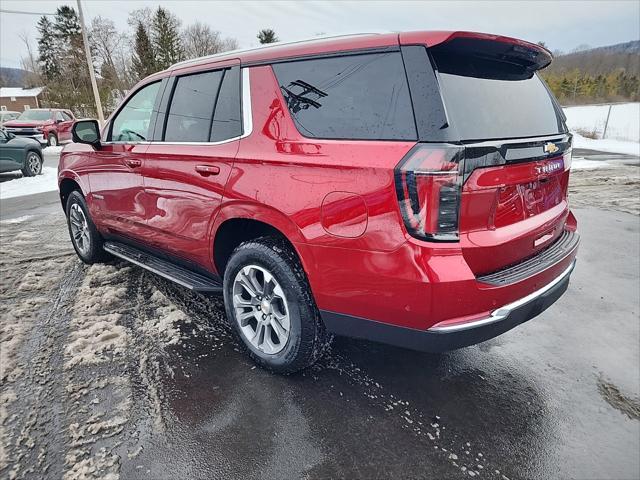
[[270, 45]]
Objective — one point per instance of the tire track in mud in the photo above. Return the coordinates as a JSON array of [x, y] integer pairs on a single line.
[[35, 297]]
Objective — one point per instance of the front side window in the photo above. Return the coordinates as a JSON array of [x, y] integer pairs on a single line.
[[66, 116], [192, 104], [359, 97], [133, 121]]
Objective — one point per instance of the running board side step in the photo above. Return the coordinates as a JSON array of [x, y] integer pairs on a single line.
[[169, 270]]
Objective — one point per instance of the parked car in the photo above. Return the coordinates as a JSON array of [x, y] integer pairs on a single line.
[[404, 188], [50, 126], [17, 153], [6, 115]]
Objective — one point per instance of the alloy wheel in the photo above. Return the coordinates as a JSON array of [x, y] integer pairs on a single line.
[[261, 309], [34, 164], [79, 229]]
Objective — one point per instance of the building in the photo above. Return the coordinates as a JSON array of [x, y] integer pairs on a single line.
[[19, 99]]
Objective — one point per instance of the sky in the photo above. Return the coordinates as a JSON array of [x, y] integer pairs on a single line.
[[562, 25]]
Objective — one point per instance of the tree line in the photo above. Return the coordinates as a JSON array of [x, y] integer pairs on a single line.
[[578, 87], [155, 40]]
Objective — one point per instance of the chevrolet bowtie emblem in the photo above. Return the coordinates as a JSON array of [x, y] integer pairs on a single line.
[[550, 147]]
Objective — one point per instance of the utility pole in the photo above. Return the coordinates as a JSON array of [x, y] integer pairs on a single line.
[[87, 51]]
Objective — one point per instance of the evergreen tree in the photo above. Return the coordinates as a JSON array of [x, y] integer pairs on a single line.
[[144, 59], [47, 50], [267, 35], [167, 44]]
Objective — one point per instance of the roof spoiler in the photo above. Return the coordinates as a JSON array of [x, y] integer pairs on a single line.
[[487, 56]]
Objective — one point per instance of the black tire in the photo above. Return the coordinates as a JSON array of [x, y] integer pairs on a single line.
[[308, 338], [32, 164], [52, 140], [93, 253]]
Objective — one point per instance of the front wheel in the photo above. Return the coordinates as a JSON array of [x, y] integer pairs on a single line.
[[52, 140], [270, 306], [32, 165], [85, 237]]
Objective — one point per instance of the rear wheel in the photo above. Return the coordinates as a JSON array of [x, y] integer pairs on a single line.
[[270, 306], [85, 237], [52, 140], [32, 164]]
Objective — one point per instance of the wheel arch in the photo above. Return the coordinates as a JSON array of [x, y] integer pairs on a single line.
[[238, 223], [68, 184]]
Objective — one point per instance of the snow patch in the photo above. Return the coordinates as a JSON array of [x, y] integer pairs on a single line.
[[19, 187], [95, 328], [21, 219], [579, 163], [606, 145], [624, 120], [53, 150]]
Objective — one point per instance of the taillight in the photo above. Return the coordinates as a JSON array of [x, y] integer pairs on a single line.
[[428, 184], [566, 157]]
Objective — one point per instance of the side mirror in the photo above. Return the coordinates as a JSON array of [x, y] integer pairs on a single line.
[[86, 131], [58, 121]]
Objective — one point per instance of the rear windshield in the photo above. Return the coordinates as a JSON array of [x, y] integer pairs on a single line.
[[483, 108]]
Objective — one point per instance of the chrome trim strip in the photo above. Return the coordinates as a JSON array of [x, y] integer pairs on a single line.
[[147, 267], [503, 312], [247, 116]]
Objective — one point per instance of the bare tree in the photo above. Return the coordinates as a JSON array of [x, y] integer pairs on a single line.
[[200, 40], [30, 64]]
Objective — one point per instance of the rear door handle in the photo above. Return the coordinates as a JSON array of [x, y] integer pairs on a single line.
[[206, 170], [132, 162]]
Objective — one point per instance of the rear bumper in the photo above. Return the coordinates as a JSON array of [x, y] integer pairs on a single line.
[[453, 336]]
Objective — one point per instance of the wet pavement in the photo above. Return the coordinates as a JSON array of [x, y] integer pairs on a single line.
[[109, 371]]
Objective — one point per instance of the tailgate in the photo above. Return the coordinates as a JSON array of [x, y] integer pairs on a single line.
[[514, 200]]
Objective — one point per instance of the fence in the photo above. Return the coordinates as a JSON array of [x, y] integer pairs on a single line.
[[619, 121]]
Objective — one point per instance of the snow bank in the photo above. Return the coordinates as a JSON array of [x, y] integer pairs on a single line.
[[47, 182], [606, 145], [624, 121]]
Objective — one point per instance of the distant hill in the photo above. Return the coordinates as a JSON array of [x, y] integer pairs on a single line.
[[12, 77], [601, 60]]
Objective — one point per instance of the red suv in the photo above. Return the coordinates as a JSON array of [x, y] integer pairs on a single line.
[[404, 188], [50, 126]]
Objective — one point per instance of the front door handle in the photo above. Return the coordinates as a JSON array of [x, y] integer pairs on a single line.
[[206, 170], [132, 162]]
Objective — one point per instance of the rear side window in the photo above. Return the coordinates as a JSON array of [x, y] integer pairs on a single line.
[[227, 118], [360, 97], [191, 110]]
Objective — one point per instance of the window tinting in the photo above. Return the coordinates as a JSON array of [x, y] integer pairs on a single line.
[[227, 119], [132, 122], [191, 110], [350, 97], [483, 108]]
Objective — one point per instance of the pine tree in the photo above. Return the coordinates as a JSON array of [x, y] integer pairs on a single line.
[[167, 44], [47, 50], [267, 35], [144, 59]]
